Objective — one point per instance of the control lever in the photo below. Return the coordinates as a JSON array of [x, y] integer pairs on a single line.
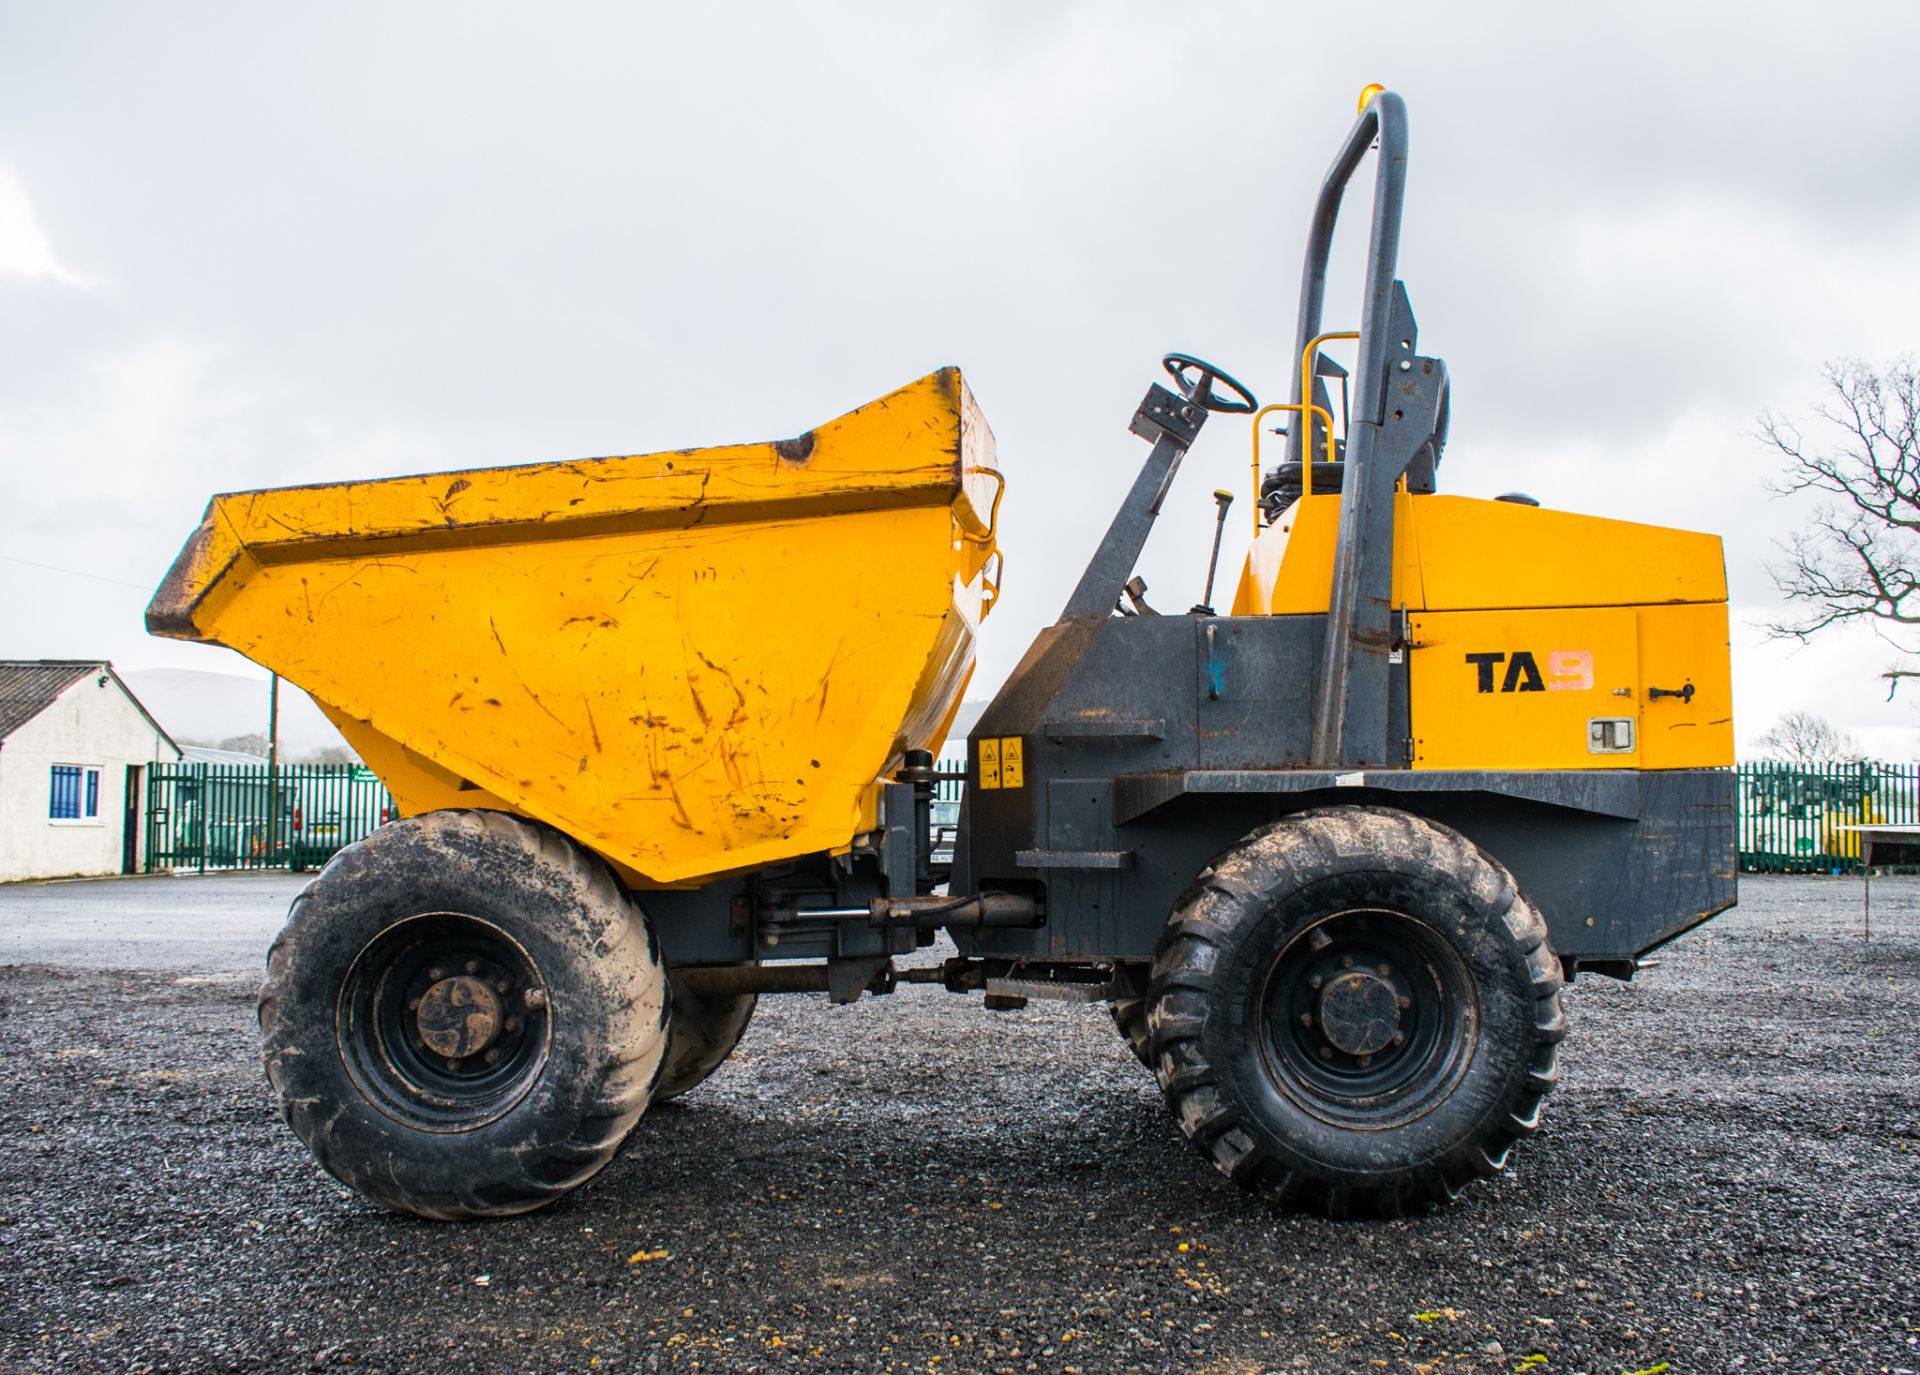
[[1136, 590], [1222, 499], [1685, 694]]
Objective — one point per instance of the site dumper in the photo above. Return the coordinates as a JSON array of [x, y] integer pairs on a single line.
[[662, 729]]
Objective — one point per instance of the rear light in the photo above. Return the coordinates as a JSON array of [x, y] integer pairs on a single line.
[[386, 815]]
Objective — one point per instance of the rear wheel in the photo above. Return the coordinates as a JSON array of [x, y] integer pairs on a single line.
[[707, 1028], [1354, 1012], [464, 1015]]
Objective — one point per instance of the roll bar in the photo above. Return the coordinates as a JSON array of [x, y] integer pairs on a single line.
[[1384, 119], [1399, 409]]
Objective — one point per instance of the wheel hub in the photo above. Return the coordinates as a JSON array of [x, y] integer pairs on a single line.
[[458, 1017], [1369, 1017], [1359, 1012]]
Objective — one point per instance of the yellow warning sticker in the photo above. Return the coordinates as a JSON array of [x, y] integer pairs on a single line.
[[989, 763], [1012, 775]]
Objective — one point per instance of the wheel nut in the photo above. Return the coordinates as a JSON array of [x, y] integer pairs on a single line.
[[1366, 1062], [1399, 1038], [1319, 940], [1326, 1052], [513, 1024], [500, 986], [535, 997], [1404, 1003], [1346, 961], [473, 966], [1306, 1019], [491, 1056], [1386, 971], [436, 973], [454, 1064], [1315, 981]]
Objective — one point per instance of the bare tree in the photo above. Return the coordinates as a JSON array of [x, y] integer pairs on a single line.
[[1806, 740], [1858, 557], [330, 754]]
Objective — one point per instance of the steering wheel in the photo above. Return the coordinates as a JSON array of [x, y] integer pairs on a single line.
[[1200, 389]]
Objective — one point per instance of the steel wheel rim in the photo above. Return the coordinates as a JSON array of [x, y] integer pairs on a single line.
[[430, 961], [1336, 1067]]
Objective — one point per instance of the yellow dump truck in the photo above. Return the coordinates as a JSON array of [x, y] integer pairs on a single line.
[[662, 732]]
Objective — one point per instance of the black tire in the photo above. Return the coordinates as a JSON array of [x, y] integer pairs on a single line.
[[1286, 973], [1130, 1011], [464, 913], [706, 1029]]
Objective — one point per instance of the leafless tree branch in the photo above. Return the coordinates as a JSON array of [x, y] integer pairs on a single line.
[[1857, 558], [1807, 740]]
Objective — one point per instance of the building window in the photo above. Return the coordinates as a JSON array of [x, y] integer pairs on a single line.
[[76, 793]]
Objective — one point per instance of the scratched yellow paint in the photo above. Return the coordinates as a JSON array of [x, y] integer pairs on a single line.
[[695, 662]]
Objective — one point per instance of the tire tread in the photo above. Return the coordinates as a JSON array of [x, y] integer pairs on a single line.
[[1234, 891], [615, 1097]]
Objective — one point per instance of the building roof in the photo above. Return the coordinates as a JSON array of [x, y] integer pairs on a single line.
[[206, 754], [29, 686]]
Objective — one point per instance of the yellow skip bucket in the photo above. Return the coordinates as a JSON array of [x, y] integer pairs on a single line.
[[694, 662]]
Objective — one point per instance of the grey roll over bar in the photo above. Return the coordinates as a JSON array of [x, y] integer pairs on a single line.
[[1385, 119], [1399, 402]]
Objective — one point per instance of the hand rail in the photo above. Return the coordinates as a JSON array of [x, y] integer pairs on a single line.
[[993, 514], [1307, 355], [1307, 411]]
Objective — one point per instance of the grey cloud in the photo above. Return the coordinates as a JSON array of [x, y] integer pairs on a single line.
[[440, 235]]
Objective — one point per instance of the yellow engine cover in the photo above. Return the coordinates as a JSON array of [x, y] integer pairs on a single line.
[[1536, 639], [695, 662]]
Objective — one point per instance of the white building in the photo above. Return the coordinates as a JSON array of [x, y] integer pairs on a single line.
[[76, 750]]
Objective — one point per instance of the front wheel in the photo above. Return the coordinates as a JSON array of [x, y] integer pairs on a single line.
[[1354, 1012], [464, 1016]]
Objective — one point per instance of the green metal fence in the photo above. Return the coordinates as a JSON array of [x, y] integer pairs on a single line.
[[214, 816], [1791, 816], [223, 816]]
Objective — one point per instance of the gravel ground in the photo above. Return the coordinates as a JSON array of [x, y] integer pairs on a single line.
[[1726, 1181]]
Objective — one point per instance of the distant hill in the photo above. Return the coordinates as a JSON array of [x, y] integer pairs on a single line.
[[963, 723], [193, 704]]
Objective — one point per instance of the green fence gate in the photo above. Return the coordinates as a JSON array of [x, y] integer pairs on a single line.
[[1792, 816], [225, 816]]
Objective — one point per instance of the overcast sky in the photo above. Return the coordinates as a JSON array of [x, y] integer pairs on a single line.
[[251, 244]]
